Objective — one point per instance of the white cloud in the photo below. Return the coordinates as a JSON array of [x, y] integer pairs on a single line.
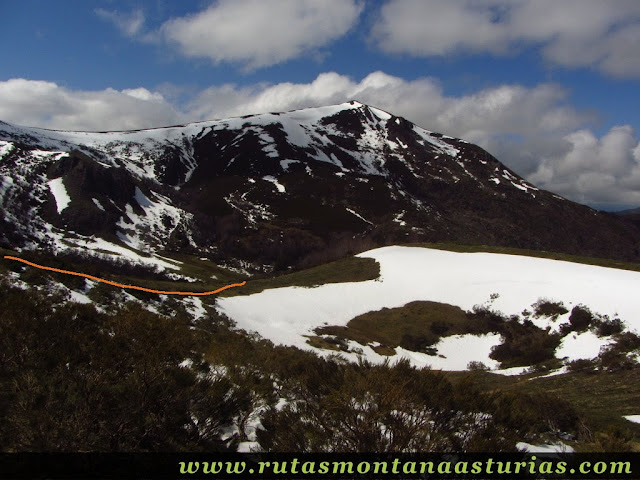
[[258, 33], [130, 24], [46, 104], [492, 112], [531, 129], [595, 170], [571, 33]]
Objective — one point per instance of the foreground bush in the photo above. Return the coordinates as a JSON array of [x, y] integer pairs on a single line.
[[74, 379]]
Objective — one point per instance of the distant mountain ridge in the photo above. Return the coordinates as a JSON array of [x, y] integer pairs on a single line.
[[281, 190]]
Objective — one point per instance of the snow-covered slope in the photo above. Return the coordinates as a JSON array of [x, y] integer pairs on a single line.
[[281, 189], [507, 283]]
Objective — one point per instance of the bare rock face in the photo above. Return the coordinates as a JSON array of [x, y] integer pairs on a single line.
[[283, 189]]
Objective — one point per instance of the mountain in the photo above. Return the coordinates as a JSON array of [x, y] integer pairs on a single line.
[[273, 191], [631, 215], [90, 366]]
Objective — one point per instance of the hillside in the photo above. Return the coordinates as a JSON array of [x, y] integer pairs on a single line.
[[441, 334], [119, 344], [273, 191]]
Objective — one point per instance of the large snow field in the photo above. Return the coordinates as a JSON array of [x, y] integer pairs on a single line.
[[287, 315]]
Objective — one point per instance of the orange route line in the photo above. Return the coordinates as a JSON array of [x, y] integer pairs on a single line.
[[97, 279]]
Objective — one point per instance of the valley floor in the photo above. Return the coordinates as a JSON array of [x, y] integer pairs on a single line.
[[509, 284]]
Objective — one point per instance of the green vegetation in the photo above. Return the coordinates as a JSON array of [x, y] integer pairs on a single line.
[[349, 269], [415, 326], [74, 379], [208, 275], [525, 344], [548, 308], [580, 318], [599, 399], [418, 326]]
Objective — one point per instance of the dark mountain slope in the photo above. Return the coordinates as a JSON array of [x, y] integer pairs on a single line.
[[280, 190]]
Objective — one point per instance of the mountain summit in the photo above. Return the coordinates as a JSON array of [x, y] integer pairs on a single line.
[[277, 190]]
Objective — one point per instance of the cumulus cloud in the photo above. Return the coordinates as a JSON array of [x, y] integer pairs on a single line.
[[570, 33], [531, 129], [255, 33], [594, 170], [486, 114], [46, 104], [129, 24]]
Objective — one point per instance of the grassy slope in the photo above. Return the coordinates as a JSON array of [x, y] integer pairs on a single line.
[[211, 276], [602, 399], [350, 269]]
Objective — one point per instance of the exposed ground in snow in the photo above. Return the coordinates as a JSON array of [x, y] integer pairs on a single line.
[[289, 315]]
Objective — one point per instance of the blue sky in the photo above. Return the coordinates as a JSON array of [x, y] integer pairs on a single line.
[[550, 87]]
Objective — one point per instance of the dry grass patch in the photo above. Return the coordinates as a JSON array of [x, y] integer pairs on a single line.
[[416, 326]]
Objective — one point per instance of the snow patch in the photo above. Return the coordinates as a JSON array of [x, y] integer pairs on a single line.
[[153, 222], [56, 186], [194, 307], [555, 373], [274, 180], [557, 447], [353, 212], [5, 148], [5, 184], [398, 218], [585, 345], [512, 372], [284, 164], [436, 143], [381, 114], [92, 243], [78, 297], [455, 352], [98, 204], [268, 145]]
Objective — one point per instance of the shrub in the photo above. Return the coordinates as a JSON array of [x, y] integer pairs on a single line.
[[476, 366], [548, 308], [582, 365], [627, 342], [524, 345], [614, 361], [417, 343], [609, 327], [378, 408], [538, 413], [580, 318], [439, 327], [620, 355], [74, 379]]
